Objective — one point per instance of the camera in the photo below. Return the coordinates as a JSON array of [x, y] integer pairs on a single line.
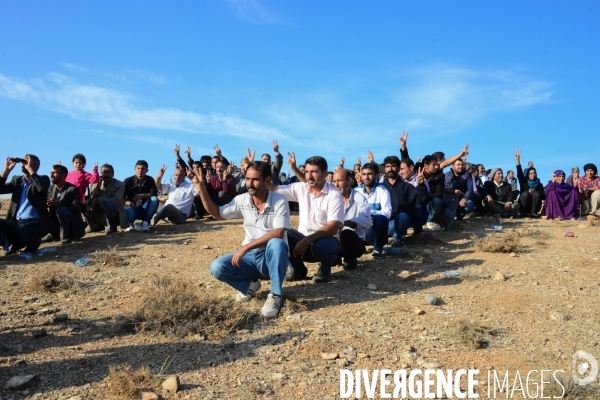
[[18, 160]]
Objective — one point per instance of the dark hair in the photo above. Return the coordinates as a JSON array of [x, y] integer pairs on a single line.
[[197, 163], [300, 166], [213, 157], [319, 161], [33, 156], [489, 171], [109, 167], [205, 159], [262, 167], [63, 170], [266, 154], [372, 166], [409, 162], [459, 159], [509, 171], [223, 161], [329, 172], [473, 168], [79, 156], [479, 165], [141, 162], [428, 160], [438, 155], [391, 160], [585, 167]]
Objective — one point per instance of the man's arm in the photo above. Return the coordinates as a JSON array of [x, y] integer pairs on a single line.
[[363, 219], [199, 182], [403, 149], [278, 158], [159, 176], [117, 197], [292, 163], [328, 230], [451, 160]]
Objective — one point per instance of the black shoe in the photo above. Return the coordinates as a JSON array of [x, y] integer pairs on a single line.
[[48, 238], [296, 275], [64, 241], [320, 277], [110, 231], [350, 265]]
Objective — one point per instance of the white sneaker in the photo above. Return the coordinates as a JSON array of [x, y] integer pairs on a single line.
[[272, 306], [131, 228], [145, 226], [254, 286]]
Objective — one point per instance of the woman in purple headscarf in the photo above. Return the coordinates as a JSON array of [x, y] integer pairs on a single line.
[[562, 199]]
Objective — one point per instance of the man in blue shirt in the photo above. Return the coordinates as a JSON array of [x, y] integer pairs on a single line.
[[27, 218]]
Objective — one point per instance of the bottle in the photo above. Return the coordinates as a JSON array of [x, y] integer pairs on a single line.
[[82, 261], [496, 227], [392, 250], [569, 234], [453, 273], [430, 298], [25, 256], [47, 250]]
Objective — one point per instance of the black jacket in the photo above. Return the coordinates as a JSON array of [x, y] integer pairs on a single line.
[[71, 199], [503, 193], [524, 185], [36, 194]]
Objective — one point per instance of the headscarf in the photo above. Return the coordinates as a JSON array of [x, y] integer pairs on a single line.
[[563, 185], [533, 184]]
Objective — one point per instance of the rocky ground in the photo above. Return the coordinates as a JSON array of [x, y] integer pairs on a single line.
[[530, 309]]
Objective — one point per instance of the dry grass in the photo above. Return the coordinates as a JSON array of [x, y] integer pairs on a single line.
[[179, 308], [569, 390], [529, 232], [473, 334], [125, 383], [509, 242], [51, 281], [110, 257]]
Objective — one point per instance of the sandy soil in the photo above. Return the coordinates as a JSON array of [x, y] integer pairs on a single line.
[[544, 311]]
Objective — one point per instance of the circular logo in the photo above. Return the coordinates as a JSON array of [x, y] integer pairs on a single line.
[[584, 368]]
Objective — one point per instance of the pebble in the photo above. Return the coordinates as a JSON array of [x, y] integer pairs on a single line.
[[278, 376], [171, 384], [38, 333], [135, 289], [499, 276], [371, 286], [207, 247], [61, 317], [329, 356], [19, 382], [75, 398], [512, 255], [149, 396], [418, 311]]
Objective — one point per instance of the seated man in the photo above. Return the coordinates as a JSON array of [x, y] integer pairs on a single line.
[[512, 181], [461, 182], [588, 190], [321, 218], [106, 203], [264, 251], [498, 196], [440, 205], [357, 219], [64, 204], [27, 218], [483, 178], [181, 197], [380, 204], [140, 197], [404, 201], [222, 185]]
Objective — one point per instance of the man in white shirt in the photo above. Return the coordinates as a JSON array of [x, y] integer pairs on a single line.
[[380, 204], [264, 251], [181, 197], [321, 218], [357, 219]]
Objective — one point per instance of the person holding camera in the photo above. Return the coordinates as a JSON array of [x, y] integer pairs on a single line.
[[27, 219]]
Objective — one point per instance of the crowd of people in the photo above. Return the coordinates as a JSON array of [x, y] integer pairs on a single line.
[[340, 211]]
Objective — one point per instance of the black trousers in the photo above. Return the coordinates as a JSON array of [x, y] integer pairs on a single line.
[[351, 245], [531, 203]]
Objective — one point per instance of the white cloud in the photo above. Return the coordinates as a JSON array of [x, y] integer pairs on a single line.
[[108, 106], [252, 11]]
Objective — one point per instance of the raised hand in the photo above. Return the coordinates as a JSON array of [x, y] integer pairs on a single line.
[[176, 151], [162, 170], [359, 161], [342, 161], [58, 163], [419, 159], [218, 151], [403, 140], [291, 160], [251, 155], [275, 146], [96, 165], [370, 157], [198, 175], [420, 176], [190, 174], [518, 154], [228, 170], [9, 164], [465, 150], [188, 152]]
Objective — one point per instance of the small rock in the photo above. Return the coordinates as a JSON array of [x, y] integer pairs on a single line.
[[329, 356], [135, 289], [341, 362], [97, 336], [38, 333], [61, 317], [278, 376], [535, 283], [227, 343], [19, 382], [371, 286], [149, 396], [512, 255], [431, 365], [13, 283], [207, 247], [43, 311], [418, 311], [171, 384], [75, 398], [499, 276]]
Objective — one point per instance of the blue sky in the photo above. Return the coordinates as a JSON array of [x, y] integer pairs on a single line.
[[122, 81]]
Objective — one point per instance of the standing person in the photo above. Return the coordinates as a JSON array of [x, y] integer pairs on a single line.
[[181, 197], [357, 219], [107, 204], [64, 205], [321, 218], [79, 177], [264, 251], [27, 219], [588, 190], [380, 204], [532, 190], [140, 197]]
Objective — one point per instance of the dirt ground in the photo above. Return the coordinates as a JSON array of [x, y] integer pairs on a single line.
[[535, 316]]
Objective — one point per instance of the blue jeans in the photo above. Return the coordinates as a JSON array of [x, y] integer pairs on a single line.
[[378, 234], [437, 207], [398, 226], [462, 211], [326, 251], [269, 263], [144, 212], [422, 216]]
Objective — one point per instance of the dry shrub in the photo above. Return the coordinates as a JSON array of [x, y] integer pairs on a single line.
[[473, 334], [508, 242], [51, 281], [593, 222], [181, 308], [110, 257], [126, 383], [569, 390], [532, 233]]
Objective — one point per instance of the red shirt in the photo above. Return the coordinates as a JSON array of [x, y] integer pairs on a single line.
[[586, 183]]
